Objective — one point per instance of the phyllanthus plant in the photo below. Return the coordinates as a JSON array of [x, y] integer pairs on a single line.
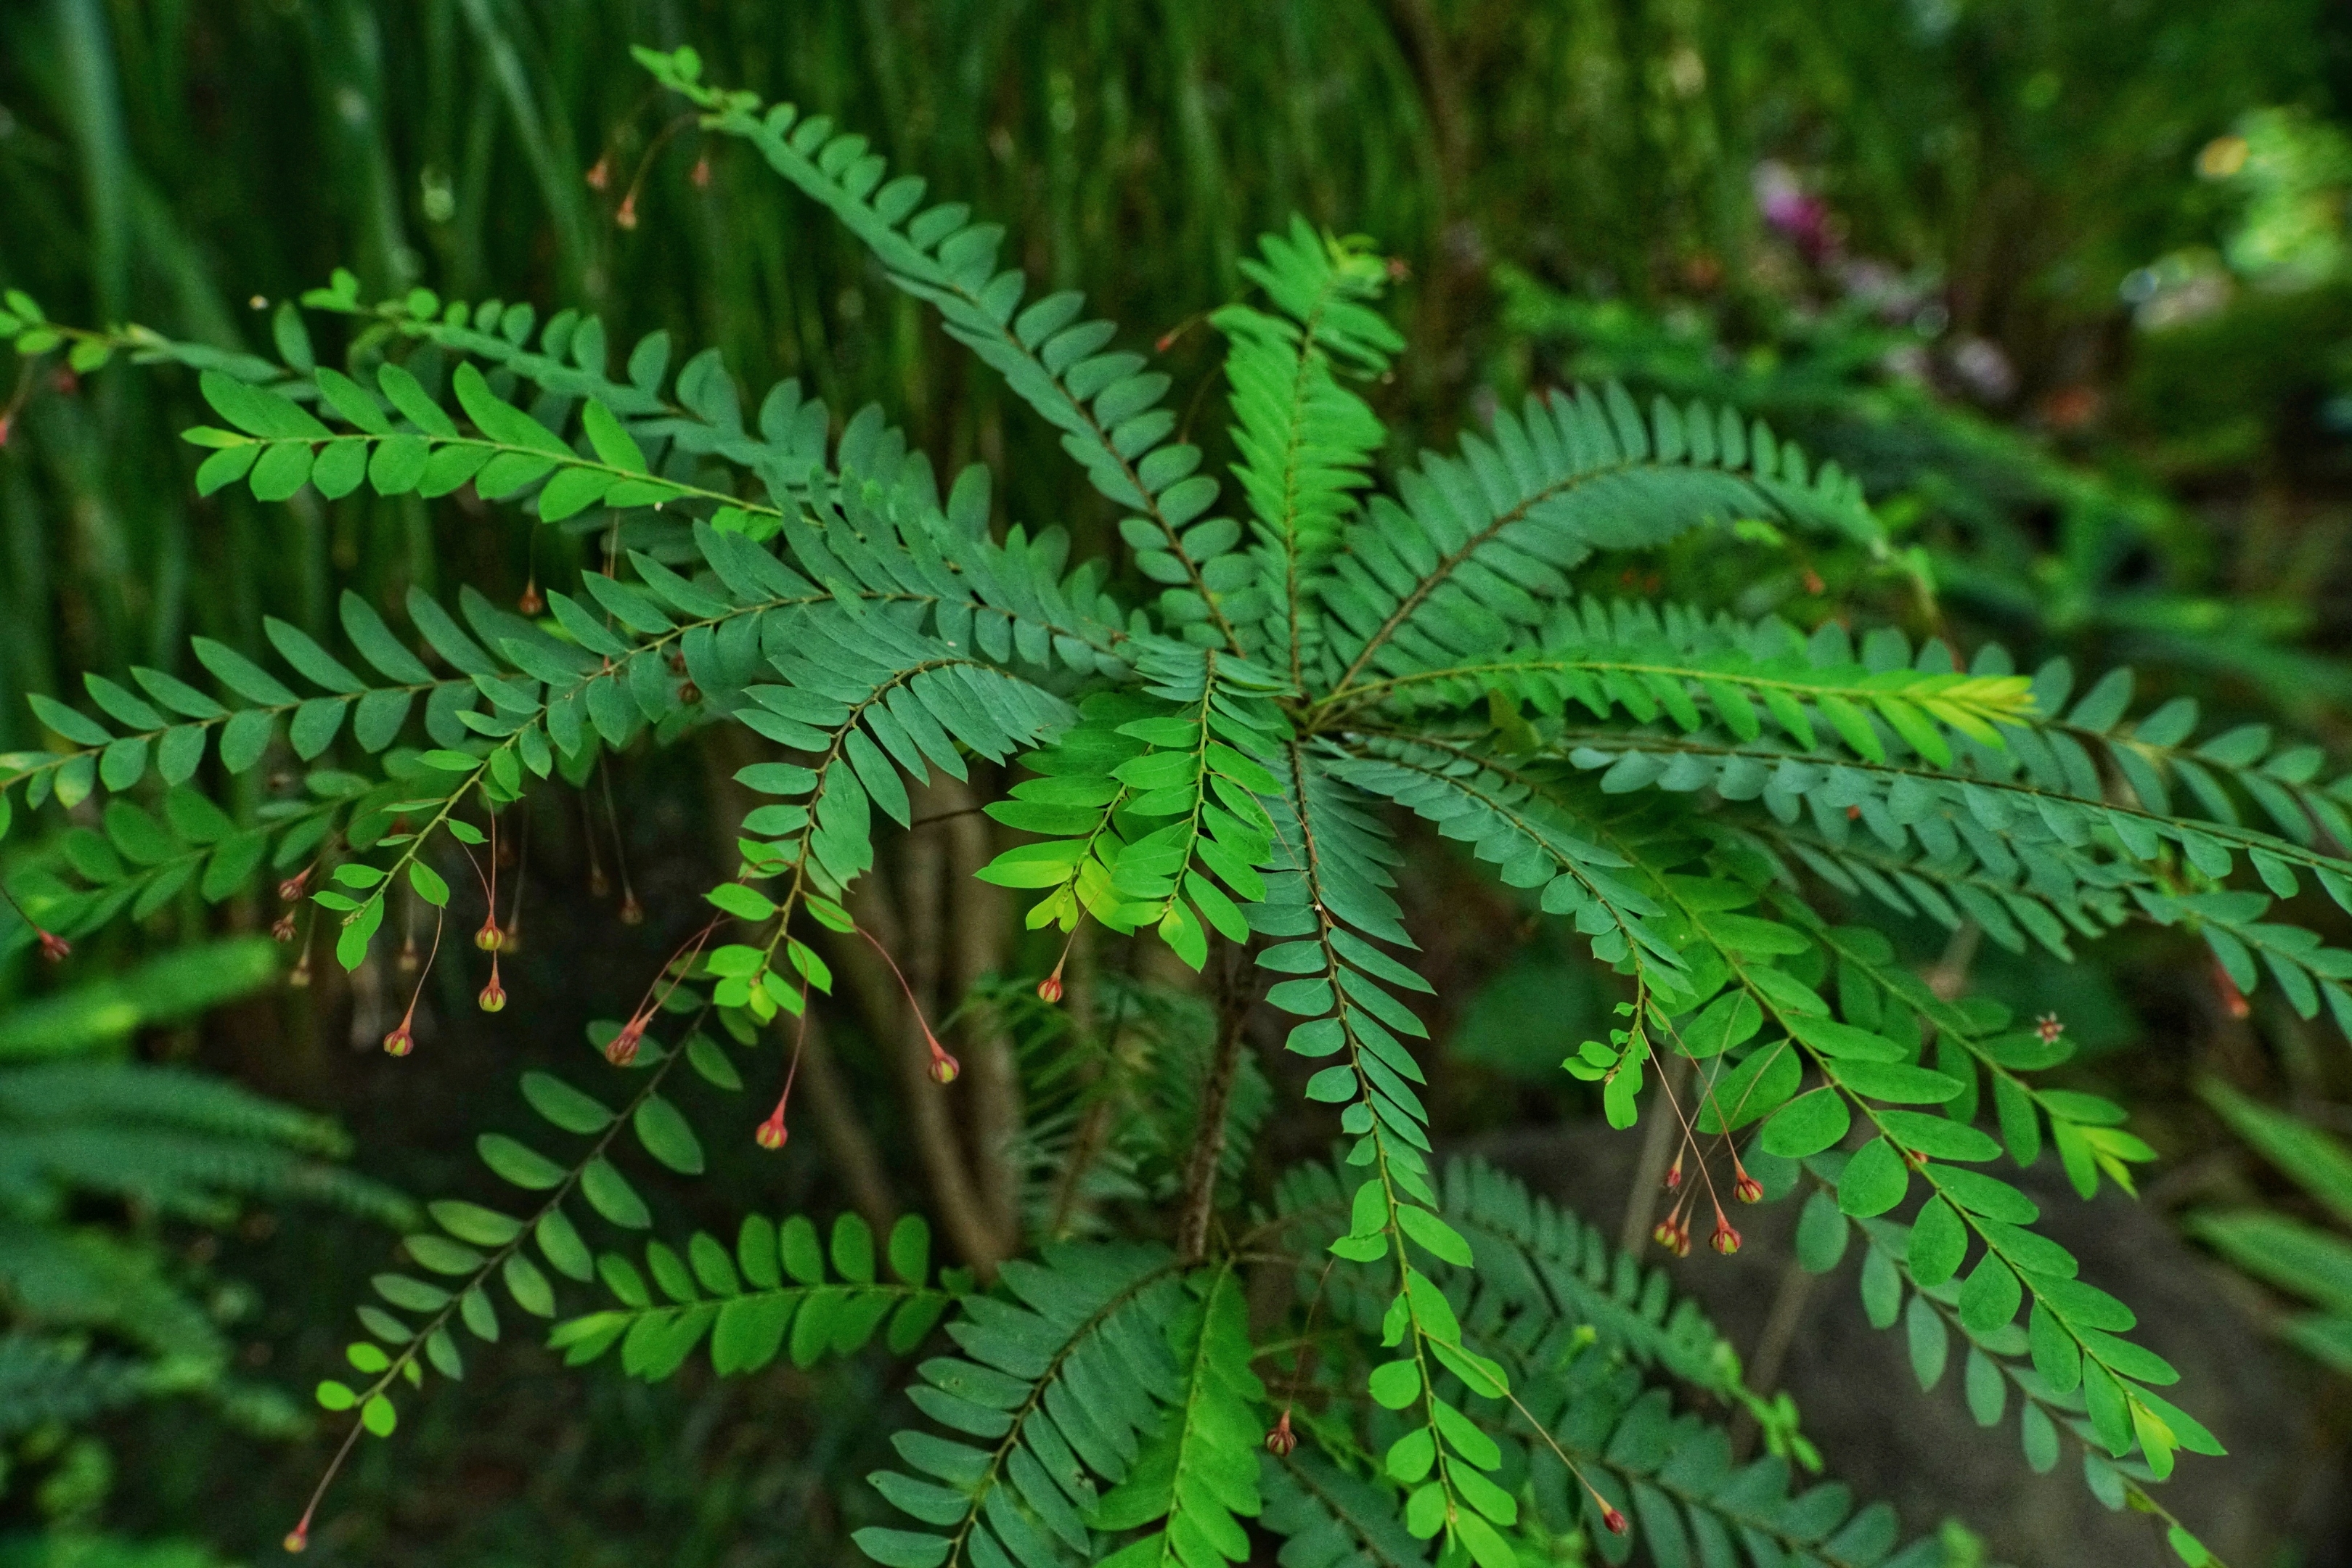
[[1379, 1358]]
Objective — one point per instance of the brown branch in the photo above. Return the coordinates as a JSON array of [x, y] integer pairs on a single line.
[[1094, 1122], [843, 1131], [979, 920], [1237, 992], [893, 1024]]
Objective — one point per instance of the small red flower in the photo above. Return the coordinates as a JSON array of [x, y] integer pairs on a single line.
[[1725, 1240], [1748, 1189], [530, 604], [772, 1133], [944, 1069], [282, 928], [1613, 1520], [1674, 1174], [1282, 1439], [55, 948], [493, 998], [1673, 1236], [1049, 990], [400, 1042], [490, 939]]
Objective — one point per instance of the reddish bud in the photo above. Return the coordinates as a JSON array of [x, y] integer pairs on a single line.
[[490, 939], [1282, 1439], [400, 1042], [1613, 1520], [291, 888], [772, 1133], [627, 216], [530, 604], [621, 1048], [600, 174], [1673, 1236], [282, 928], [1049, 990], [1748, 1189], [688, 693], [298, 1538], [632, 913], [493, 998], [1674, 1174], [944, 1068], [55, 948], [701, 175], [1725, 1240]]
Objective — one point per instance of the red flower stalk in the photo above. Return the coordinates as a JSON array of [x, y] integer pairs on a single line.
[[944, 1069], [772, 1133], [1282, 1439]]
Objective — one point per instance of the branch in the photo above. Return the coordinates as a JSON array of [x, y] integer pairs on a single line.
[[1236, 993]]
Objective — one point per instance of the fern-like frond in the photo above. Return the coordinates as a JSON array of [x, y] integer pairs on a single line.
[[1052, 1399], [1481, 543], [1198, 1471], [1106, 403], [783, 1296], [1306, 441], [43, 1382]]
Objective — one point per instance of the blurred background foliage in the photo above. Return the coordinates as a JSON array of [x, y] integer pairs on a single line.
[[2067, 282]]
